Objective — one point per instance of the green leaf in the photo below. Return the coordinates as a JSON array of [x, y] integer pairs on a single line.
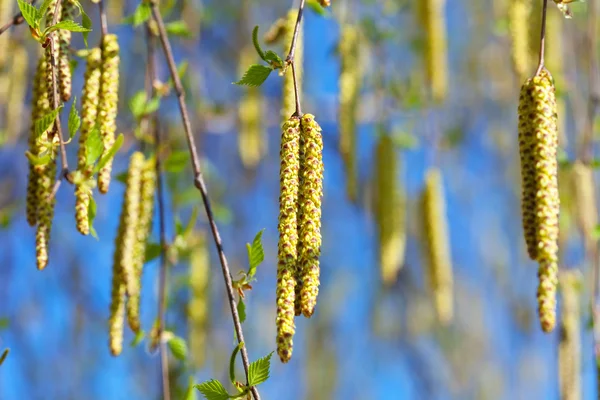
[[152, 252], [74, 119], [92, 216], [44, 123], [109, 155], [317, 8], [4, 355], [255, 75], [67, 25], [273, 58], [137, 103], [596, 232], [178, 347], [190, 393], [213, 390], [141, 14], [232, 363], [30, 14], [178, 28], [43, 8], [181, 70], [256, 253], [93, 145], [86, 22], [38, 160], [259, 370], [139, 337], [152, 105], [122, 177], [259, 50], [177, 161], [241, 309]]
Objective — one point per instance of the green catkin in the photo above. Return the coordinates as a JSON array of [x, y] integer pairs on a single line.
[[569, 349], [349, 86], [309, 223], [89, 113], [198, 306], [518, 16], [251, 143], [143, 228], [435, 52], [289, 99], [437, 245], [64, 40], [288, 236], [116, 320], [107, 107], [582, 181]]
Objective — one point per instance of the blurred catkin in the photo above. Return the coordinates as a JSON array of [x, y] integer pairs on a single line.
[[437, 245], [349, 86], [569, 350], [64, 41], [117, 299], [108, 102], [586, 213], [7, 8], [518, 18], [288, 236], [198, 307], [432, 17], [16, 92], [389, 210], [289, 100], [89, 113], [309, 222]]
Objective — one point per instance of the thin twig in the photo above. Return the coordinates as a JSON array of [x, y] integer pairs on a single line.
[[16, 20], [201, 186], [103, 20], [289, 60], [542, 38]]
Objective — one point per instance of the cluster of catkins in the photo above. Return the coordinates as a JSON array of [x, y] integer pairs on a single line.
[[130, 247], [538, 143], [301, 190]]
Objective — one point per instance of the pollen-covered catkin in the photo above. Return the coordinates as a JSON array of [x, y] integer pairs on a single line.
[[349, 86], [45, 213], [288, 236], [116, 320], [198, 307], [435, 52], [437, 245], [64, 41], [569, 349], [143, 228], [518, 17], [251, 143], [582, 181], [309, 224], [89, 113], [107, 107], [289, 100]]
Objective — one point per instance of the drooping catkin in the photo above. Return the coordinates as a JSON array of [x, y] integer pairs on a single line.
[[107, 106], [349, 86], [251, 143], [388, 207], [143, 228], [89, 113], [309, 222], [198, 307], [289, 100], [569, 350], [432, 16], [437, 245], [518, 17], [288, 236], [116, 320], [586, 212], [6, 12], [64, 41]]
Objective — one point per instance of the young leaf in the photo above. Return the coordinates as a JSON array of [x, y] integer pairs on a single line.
[[177, 161], [92, 216], [317, 8], [140, 15], [273, 58], [93, 145], [122, 177], [74, 120], [5, 354], [110, 153], [42, 124], [260, 51], [190, 393], [86, 22], [67, 25], [256, 254], [213, 390], [138, 338], [259, 370], [241, 309], [152, 252], [38, 160], [30, 14], [178, 28], [152, 105], [137, 104], [232, 362], [178, 347], [255, 75], [43, 8]]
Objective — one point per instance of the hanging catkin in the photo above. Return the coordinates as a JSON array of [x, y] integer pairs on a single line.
[[389, 211], [89, 113], [569, 350], [432, 16], [107, 107], [6, 12], [198, 307], [309, 222], [518, 17], [64, 40], [437, 245], [289, 100], [582, 180], [349, 86], [288, 236], [142, 232]]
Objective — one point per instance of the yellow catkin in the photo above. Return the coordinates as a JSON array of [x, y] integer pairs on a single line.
[[17, 91], [518, 17], [289, 100], [388, 209], [108, 102], [309, 222], [437, 245], [143, 228], [586, 213], [288, 236], [349, 86], [569, 349], [432, 15], [64, 40], [116, 320], [89, 113], [275, 32], [198, 307]]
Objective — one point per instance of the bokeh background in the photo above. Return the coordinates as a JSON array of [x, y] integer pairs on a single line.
[[368, 339]]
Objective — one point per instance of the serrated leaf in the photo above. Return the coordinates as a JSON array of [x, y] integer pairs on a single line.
[[141, 14], [273, 58], [259, 370], [176, 161], [109, 155], [178, 347], [38, 160], [30, 14], [213, 390], [178, 28], [4, 355], [92, 216], [44, 123], [241, 309], [74, 119], [256, 254], [255, 75], [139, 337], [67, 25], [152, 252], [93, 146], [259, 50]]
